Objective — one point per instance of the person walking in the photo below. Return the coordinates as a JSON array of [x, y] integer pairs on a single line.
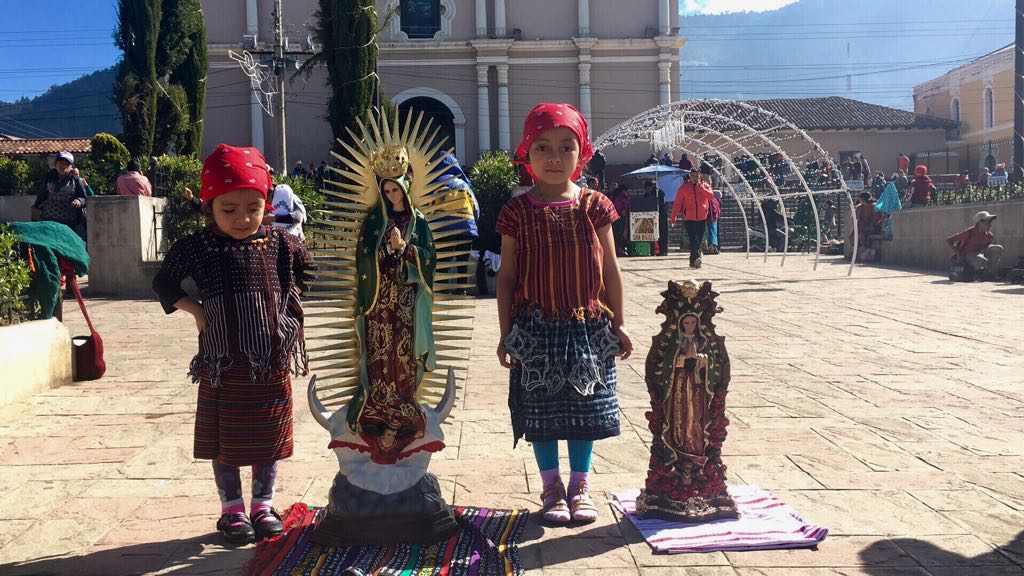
[[693, 200], [561, 313]]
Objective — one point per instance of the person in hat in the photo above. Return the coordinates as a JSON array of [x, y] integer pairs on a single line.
[[974, 246], [62, 198], [250, 321], [299, 171]]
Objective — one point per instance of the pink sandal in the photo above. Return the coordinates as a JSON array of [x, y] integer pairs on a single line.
[[581, 504], [556, 509]]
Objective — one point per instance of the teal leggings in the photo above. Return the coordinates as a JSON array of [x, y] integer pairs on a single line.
[[580, 452]]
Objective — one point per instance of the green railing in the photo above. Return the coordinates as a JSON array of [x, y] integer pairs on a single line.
[[949, 196]]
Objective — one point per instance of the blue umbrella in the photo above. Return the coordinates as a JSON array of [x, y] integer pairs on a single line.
[[656, 170], [669, 178]]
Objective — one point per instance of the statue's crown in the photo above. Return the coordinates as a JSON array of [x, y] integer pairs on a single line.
[[390, 161]]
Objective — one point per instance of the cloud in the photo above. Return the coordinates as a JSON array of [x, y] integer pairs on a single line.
[[690, 7]]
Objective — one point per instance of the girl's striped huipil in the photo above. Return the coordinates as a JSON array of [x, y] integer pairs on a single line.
[[562, 385]]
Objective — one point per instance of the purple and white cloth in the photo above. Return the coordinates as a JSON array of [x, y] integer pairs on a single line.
[[765, 523]]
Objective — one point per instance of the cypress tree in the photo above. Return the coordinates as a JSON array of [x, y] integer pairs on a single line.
[[191, 75], [346, 31], [135, 90]]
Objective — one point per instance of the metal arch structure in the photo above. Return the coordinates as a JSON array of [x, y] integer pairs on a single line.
[[729, 128]]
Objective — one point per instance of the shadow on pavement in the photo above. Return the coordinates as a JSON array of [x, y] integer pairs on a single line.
[[201, 555], [929, 555], [573, 542]]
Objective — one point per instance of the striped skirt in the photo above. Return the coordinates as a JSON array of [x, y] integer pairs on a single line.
[[562, 386], [241, 423]]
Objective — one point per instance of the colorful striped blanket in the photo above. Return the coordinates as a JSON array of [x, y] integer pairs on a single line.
[[765, 523], [486, 545]]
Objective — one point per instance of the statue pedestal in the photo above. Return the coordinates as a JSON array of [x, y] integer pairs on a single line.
[[358, 517], [695, 509]]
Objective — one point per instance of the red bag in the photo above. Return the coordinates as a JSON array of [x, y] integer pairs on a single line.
[[87, 350]]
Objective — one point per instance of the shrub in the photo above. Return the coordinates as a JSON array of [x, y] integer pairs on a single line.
[[14, 278], [492, 179], [19, 176], [173, 173], [311, 197], [105, 163], [13, 175]]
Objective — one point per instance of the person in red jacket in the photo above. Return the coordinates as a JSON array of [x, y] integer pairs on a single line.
[[693, 199]]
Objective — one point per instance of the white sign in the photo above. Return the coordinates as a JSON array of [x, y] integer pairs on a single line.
[[643, 226]]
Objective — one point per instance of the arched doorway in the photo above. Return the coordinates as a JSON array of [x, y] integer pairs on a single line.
[[443, 109], [435, 110]]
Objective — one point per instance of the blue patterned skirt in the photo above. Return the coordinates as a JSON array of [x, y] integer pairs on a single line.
[[562, 386]]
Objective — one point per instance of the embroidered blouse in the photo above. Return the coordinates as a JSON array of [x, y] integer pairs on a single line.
[[559, 258], [249, 290]]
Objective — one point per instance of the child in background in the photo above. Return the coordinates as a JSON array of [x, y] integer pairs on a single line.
[[250, 325], [560, 308]]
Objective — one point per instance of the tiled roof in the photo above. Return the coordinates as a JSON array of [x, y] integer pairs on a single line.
[[26, 146], [836, 113]]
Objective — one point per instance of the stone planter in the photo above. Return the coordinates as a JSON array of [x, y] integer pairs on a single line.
[[35, 356]]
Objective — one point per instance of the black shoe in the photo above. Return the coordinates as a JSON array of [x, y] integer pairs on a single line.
[[236, 528], [267, 523]]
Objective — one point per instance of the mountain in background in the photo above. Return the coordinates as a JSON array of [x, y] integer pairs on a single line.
[[872, 50], [82, 107]]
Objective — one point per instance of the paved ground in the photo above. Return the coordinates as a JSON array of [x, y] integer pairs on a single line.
[[887, 407]]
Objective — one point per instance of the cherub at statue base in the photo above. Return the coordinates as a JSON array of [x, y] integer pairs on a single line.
[[695, 509], [358, 517]]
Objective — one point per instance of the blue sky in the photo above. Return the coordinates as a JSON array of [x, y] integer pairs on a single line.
[[691, 7], [47, 43]]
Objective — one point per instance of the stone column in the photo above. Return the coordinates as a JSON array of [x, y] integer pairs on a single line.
[[499, 19], [584, 66], [504, 131], [481, 18], [256, 122], [252, 17], [252, 26], [664, 17], [483, 107], [584, 9], [665, 83]]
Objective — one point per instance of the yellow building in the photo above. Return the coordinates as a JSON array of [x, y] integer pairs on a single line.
[[979, 97]]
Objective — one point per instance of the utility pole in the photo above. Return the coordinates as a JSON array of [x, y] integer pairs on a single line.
[[1018, 96], [279, 69]]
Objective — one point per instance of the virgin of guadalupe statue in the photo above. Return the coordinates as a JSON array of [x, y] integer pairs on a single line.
[[396, 333], [687, 377]]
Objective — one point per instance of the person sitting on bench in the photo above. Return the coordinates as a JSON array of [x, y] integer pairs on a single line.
[[974, 246]]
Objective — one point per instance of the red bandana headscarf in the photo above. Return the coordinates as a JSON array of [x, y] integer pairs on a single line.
[[230, 168], [546, 117]]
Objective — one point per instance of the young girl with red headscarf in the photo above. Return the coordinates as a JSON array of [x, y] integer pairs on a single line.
[[560, 308], [250, 323]]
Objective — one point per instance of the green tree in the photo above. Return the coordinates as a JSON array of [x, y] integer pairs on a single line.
[[191, 76], [104, 163], [181, 69], [161, 83], [135, 91], [172, 120], [346, 31]]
